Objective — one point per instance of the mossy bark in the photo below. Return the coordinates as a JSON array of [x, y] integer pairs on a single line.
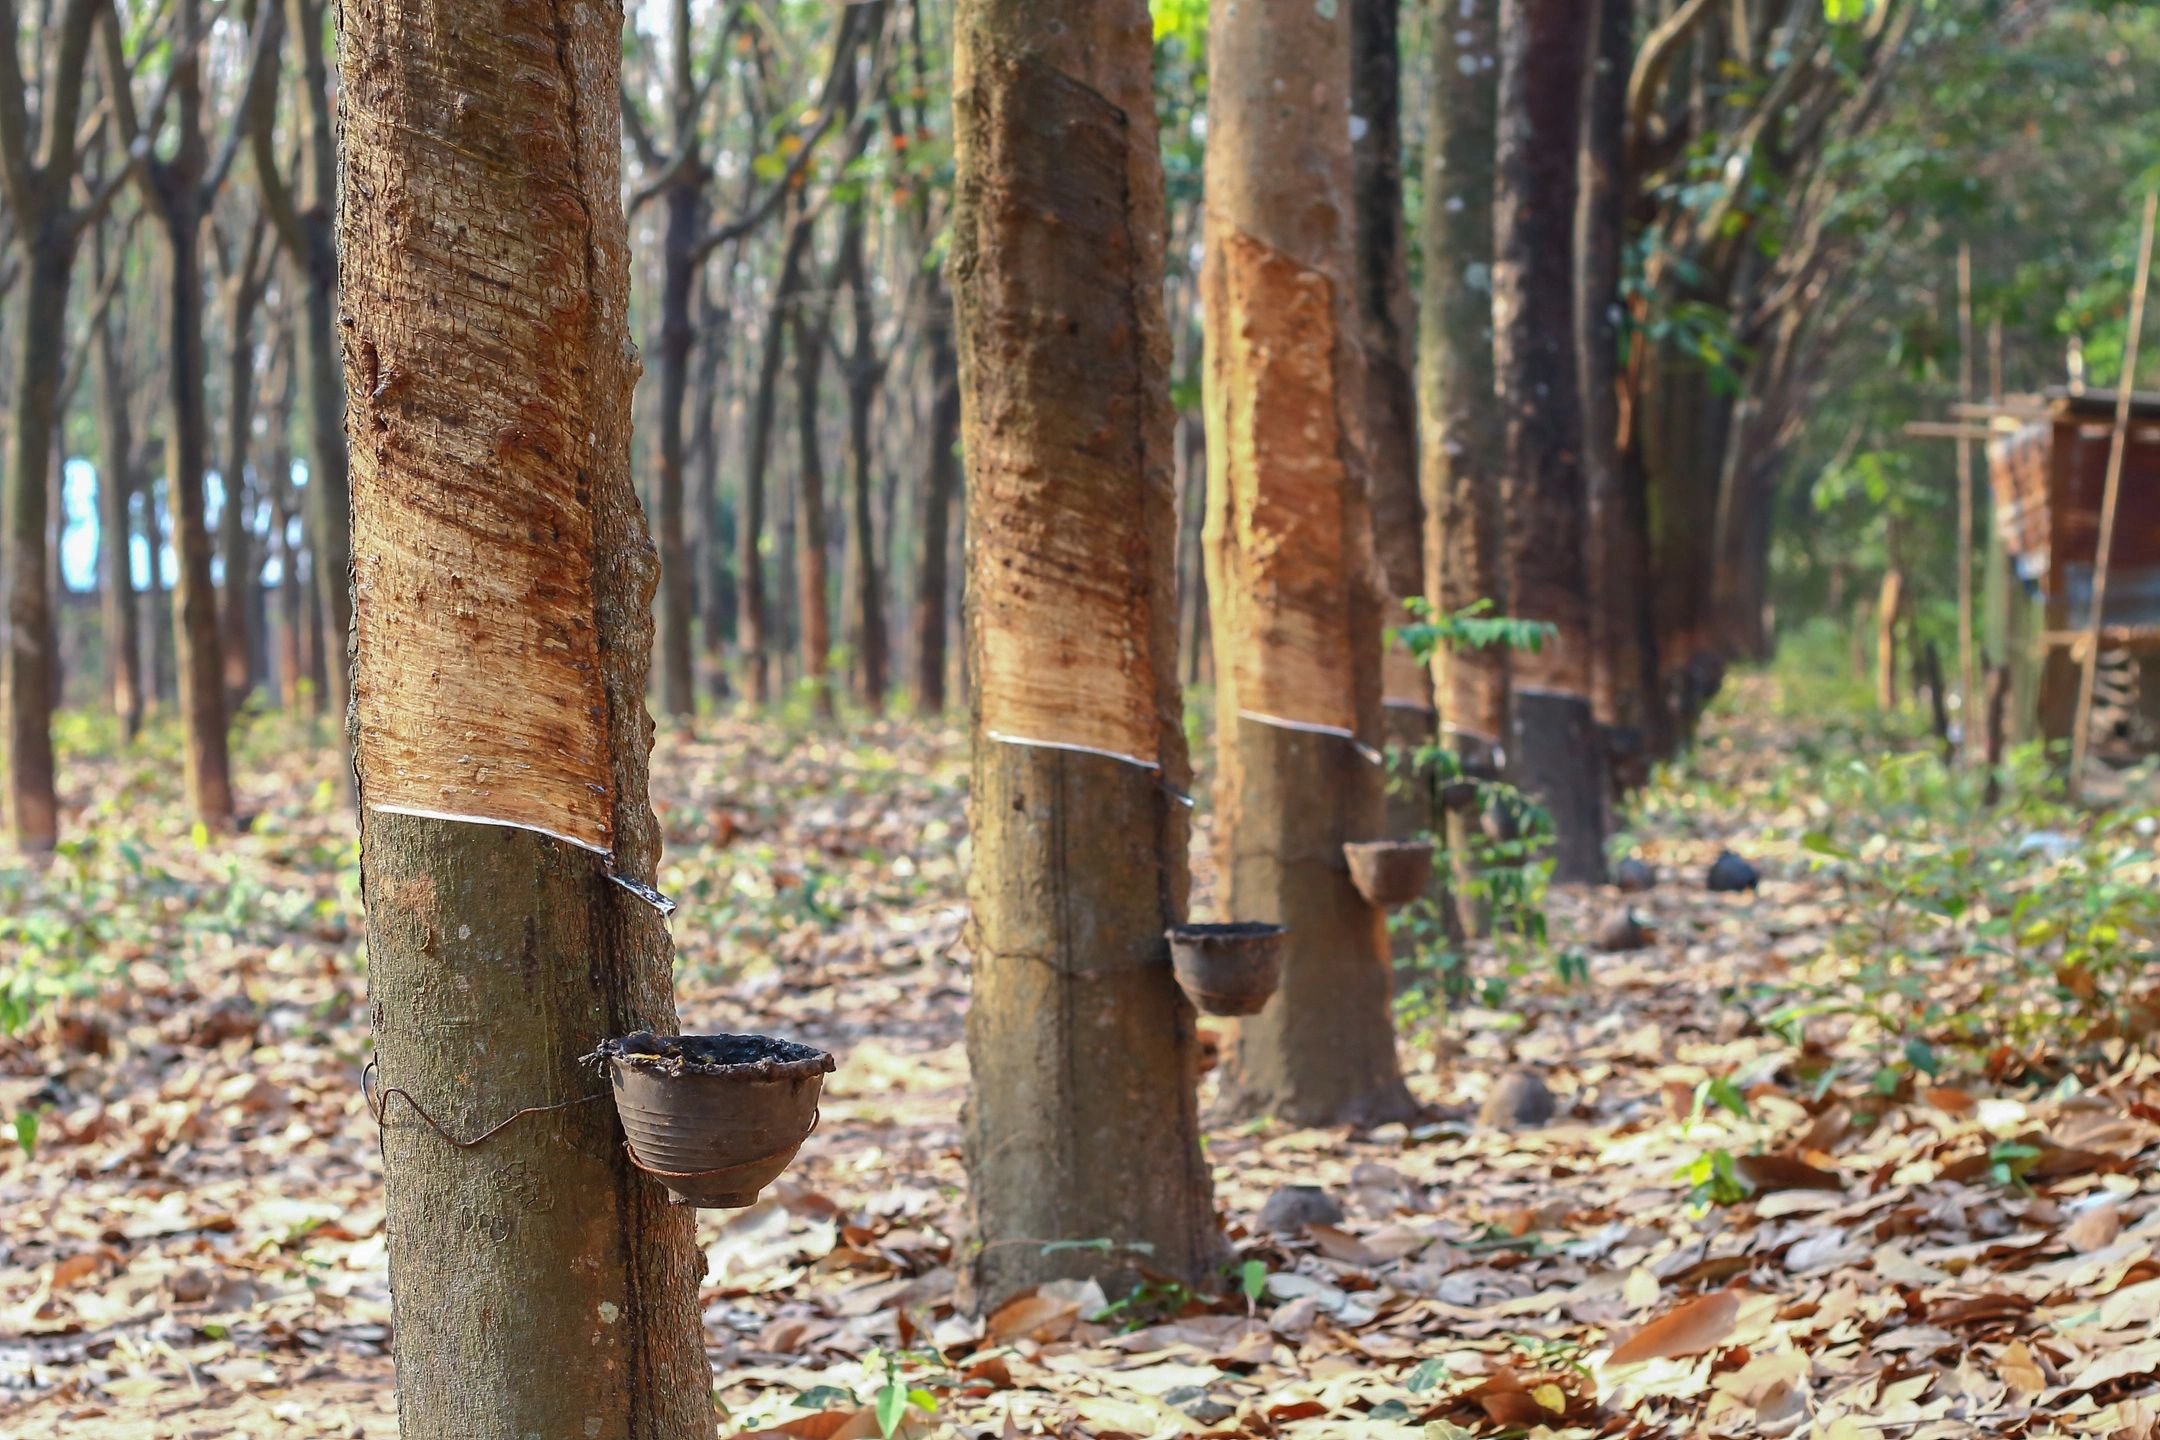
[[541, 1286], [1082, 1130]]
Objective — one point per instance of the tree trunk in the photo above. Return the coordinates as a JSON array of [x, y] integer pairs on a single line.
[[715, 572], [752, 616], [1623, 678], [540, 1284], [1888, 602], [1387, 331], [940, 480], [28, 676], [678, 264], [1554, 754], [1292, 580], [1082, 1123], [116, 549], [329, 487], [810, 326], [176, 186], [865, 606], [1460, 455], [236, 603]]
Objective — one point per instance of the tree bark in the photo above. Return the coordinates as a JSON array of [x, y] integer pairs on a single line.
[[175, 190], [540, 1284], [1082, 1123], [1554, 754], [28, 676], [116, 549], [1387, 331], [863, 585], [940, 479], [236, 602], [752, 616], [1292, 581], [809, 324], [678, 266], [715, 571], [1460, 455], [1623, 673]]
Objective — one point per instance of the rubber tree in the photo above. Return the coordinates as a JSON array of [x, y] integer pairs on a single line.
[[177, 190], [1082, 1124], [1387, 329], [116, 488], [863, 367], [239, 632], [1292, 582], [1460, 452], [1623, 663], [540, 1284], [1555, 754], [37, 180], [301, 209]]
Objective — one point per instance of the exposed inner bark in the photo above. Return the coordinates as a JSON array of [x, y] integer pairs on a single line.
[[541, 1285], [1293, 585], [1083, 1121]]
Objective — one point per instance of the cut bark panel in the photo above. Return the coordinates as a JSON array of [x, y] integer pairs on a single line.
[[1064, 654], [1083, 1122], [1284, 603], [1323, 1051], [479, 692]]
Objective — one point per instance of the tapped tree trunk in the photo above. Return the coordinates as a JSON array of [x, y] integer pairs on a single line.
[[541, 1284], [1292, 581], [941, 479], [1082, 1123], [1460, 456], [1554, 752]]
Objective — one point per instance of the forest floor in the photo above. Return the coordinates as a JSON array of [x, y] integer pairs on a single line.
[[1777, 1200]]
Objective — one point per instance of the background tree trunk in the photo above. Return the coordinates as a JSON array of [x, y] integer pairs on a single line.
[[1554, 752], [940, 480], [1082, 1121], [116, 558], [1460, 454], [864, 584], [1623, 675], [29, 680], [678, 685], [541, 1285], [1387, 332], [752, 616], [810, 325], [1292, 581]]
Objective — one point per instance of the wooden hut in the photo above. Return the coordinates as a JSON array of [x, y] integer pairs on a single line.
[[2048, 477]]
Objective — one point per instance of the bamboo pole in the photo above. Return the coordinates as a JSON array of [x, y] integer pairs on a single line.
[[1968, 711], [2117, 444]]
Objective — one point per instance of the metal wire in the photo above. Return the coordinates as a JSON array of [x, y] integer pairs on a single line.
[[379, 1100]]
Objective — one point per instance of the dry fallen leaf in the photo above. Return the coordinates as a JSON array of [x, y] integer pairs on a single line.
[[1689, 1329], [2094, 1228]]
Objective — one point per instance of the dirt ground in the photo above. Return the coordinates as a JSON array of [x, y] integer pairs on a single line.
[[195, 1247]]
